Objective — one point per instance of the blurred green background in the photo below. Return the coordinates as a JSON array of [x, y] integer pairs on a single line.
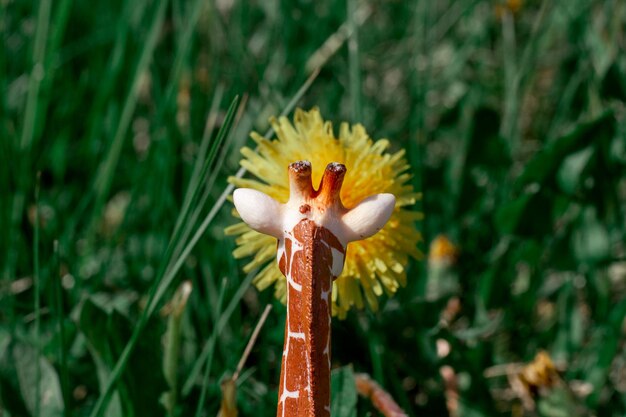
[[121, 120]]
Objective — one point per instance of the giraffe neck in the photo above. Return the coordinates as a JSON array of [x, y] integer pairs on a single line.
[[308, 256]]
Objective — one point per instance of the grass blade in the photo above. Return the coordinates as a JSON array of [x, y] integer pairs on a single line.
[[60, 314], [37, 288], [107, 168], [209, 126], [37, 74], [172, 344], [354, 63]]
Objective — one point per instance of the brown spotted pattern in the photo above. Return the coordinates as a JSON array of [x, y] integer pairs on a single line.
[[306, 260]]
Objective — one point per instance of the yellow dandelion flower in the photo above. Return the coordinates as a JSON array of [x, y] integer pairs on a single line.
[[373, 266]]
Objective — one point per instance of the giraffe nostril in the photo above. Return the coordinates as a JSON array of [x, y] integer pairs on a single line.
[[305, 208]]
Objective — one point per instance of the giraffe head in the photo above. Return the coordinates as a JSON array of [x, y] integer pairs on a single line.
[[322, 206]]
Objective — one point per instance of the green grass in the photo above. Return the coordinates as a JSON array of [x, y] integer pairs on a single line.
[[120, 122]]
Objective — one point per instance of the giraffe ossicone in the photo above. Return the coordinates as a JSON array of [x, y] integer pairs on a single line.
[[313, 229]]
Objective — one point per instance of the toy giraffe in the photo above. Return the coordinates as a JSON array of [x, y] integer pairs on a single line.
[[313, 229]]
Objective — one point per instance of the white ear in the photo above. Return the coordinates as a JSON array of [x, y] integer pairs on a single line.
[[260, 211], [368, 217]]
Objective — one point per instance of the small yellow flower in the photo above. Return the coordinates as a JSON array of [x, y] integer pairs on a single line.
[[442, 251], [372, 266]]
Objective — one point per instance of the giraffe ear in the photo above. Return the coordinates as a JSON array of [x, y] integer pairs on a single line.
[[368, 217], [260, 211]]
